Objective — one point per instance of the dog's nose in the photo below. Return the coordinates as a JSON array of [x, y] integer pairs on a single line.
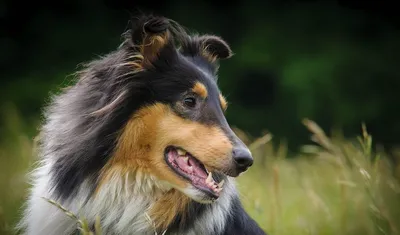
[[243, 158]]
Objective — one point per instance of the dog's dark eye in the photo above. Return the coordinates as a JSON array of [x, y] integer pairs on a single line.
[[190, 102]]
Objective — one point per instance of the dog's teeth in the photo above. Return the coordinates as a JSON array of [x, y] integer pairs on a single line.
[[185, 159], [190, 169], [181, 152], [221, 183], [209, 178]]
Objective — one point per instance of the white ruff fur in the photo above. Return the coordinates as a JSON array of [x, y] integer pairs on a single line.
[[121, 203]]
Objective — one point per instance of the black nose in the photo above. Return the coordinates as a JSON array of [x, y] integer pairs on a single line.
[[243, 158]]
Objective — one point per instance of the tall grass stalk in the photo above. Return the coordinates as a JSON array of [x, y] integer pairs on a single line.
[[336, 186]]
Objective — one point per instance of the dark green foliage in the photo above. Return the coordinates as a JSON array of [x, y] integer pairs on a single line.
[[323, 61]]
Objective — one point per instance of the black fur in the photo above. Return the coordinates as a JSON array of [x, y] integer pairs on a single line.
[[94, 139], [95, 136], [240, 223]]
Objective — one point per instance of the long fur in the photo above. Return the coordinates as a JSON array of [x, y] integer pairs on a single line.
[[84, 124]]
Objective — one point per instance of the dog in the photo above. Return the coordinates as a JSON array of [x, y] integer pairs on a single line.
[[140, 141]]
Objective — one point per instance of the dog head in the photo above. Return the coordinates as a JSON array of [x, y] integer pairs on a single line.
[[157, 109]]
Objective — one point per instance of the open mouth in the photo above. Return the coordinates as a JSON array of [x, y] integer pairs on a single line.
[[187, 166]]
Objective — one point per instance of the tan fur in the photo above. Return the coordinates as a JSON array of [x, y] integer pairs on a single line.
[[200, 89], [152, 44], [224, 103], [148, 50], [163, 212], [136, 62], [209, 56], [107, 173], [152, 129]]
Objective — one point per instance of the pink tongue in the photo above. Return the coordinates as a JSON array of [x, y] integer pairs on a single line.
[[182, 164], [196, 170]]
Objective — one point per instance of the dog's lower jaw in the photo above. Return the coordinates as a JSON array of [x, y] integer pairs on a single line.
[[197, 195]]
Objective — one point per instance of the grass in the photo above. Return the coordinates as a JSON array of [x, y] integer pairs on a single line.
[[15, 159], [336, 186]]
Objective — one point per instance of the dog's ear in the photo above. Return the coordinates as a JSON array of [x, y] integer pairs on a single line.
[[210, 47], [149, 35], [214, 47]]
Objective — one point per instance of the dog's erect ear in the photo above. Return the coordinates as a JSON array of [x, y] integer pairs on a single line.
[[214, 47], [149, 35], [209, 46]]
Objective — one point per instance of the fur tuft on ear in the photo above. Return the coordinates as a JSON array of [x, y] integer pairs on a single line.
[[149, 35], [215, 47], [208, 46]]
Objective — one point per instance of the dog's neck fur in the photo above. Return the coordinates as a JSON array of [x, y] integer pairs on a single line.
[[123, 205]]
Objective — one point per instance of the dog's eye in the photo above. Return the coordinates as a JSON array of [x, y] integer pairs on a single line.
[[190, 102]]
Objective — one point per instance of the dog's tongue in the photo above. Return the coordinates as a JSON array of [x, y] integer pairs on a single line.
[[191, 166]]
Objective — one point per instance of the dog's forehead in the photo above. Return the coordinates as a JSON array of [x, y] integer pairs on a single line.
[[209, 82], [204, 75]]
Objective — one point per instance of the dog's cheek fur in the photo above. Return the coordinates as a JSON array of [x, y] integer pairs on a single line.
[[209, 144], [153, 128], [142, 143], [137, 148]]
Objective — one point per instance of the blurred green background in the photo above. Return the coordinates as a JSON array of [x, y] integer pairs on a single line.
[[335, 62]]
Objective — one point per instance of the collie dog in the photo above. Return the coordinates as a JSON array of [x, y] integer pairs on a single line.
[[141, 142]]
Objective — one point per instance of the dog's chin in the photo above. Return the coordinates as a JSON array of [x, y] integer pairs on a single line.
[[204, 186], [198, 195]]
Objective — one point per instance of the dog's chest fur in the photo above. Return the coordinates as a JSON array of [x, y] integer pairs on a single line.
[[121, 203]]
